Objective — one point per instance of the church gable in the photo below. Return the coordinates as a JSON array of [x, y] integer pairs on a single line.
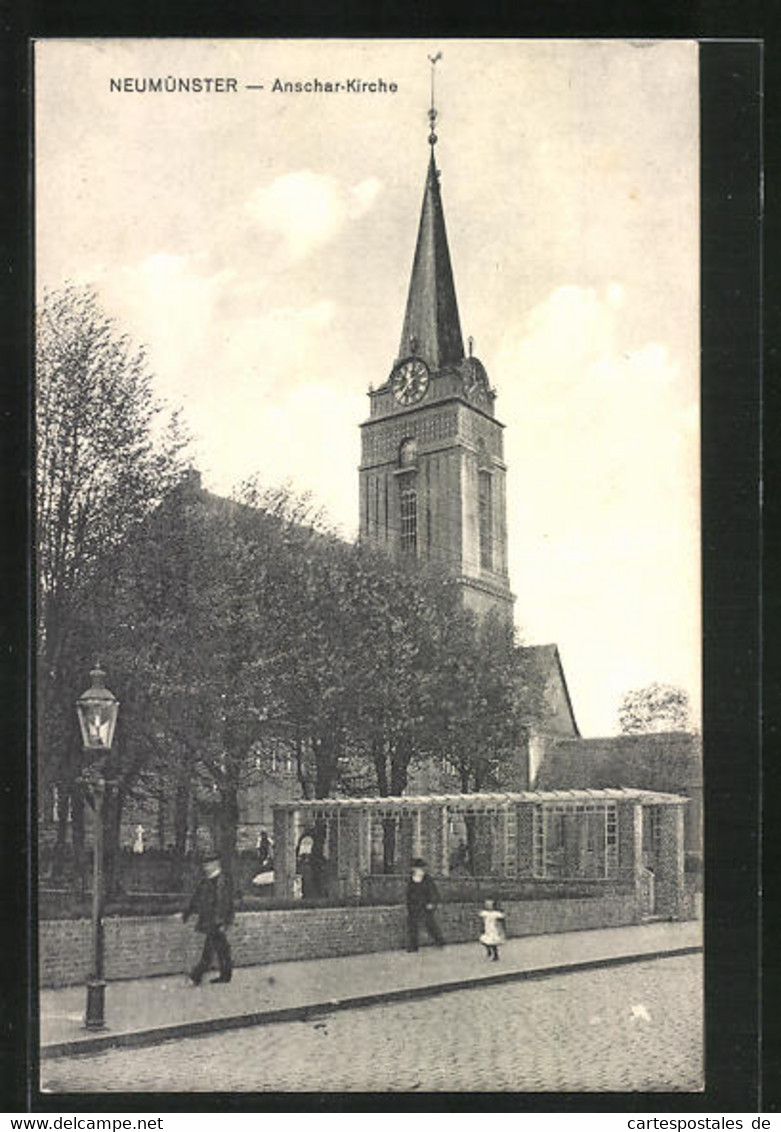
[[557, 718]]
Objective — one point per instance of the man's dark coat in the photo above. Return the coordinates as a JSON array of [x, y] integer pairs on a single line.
[[213, 902], [421, 893]]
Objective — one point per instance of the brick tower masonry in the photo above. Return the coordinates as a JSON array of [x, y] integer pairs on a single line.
[[432, 474]]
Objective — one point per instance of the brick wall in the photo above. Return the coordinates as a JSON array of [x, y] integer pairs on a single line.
[[138, 947]]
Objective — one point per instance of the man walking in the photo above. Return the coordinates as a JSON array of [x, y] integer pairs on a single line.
[[422, 898], [213, 903]]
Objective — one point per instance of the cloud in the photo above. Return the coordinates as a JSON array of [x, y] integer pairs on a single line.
[[308, 209], [615, 294], [263, 356], [197, 347], [292, 438], [167, 301], [603, 495], [254, 388], [598, 405]]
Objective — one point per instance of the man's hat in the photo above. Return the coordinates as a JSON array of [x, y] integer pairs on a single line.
[[418, 863]]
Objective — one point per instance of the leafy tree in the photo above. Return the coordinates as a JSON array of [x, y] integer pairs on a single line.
[[395, 611], [656, 707], [106, 454], [223, 636], [307, 616], [482, 698], [482, 701]]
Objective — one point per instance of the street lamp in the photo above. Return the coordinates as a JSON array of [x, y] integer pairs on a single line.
[[97, 709]]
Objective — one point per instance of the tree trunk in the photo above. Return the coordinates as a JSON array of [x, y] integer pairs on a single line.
[[325, 749], [226, 831], [381, 760], [471, 842], [300, 769], [400, 760], [393, 756], [380, 766], [181, 811], [160, 821]]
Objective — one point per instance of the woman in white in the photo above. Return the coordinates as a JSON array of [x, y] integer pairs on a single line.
[[493, 930]]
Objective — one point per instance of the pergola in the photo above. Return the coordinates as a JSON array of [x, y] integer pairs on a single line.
[[604, 837]]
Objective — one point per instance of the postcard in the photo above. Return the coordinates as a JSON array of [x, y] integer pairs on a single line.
[[368, 473]]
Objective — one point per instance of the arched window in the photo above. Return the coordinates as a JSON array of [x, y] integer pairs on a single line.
[[408, 453], [409, 520]]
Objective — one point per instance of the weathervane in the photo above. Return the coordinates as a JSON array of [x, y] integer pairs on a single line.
[[432, 114]]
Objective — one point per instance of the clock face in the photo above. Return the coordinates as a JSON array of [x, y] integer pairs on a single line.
[[409, 381]]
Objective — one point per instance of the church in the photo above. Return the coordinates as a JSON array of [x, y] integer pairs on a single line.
[[432, 487]]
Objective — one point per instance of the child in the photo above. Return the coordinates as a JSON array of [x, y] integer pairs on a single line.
[[493, 930]]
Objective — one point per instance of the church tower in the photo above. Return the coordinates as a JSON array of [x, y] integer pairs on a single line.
[[432, 474]]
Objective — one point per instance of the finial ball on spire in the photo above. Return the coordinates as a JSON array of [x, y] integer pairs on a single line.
[[432, 114]]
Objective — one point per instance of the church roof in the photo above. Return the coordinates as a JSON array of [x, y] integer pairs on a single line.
[[663, 760], [546, 662], [432, 329]]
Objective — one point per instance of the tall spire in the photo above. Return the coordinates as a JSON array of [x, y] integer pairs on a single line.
[[432, 328]]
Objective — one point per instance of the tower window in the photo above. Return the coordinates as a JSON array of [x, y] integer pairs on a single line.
[[485, 501], [408, 453], [409, 520]]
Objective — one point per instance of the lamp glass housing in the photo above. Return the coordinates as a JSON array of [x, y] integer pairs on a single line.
[[97, 709]]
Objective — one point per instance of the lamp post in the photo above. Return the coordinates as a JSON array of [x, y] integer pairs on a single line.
[[97, 709]]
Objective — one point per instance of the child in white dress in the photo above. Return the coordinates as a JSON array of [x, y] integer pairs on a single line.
[[493, 930]]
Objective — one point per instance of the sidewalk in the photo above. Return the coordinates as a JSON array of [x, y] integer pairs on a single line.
[[147, 1011]]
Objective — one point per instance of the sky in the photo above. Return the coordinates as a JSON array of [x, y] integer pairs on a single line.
[[260, 242]]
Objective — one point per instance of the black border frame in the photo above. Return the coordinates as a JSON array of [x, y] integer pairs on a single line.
[[731, 89]]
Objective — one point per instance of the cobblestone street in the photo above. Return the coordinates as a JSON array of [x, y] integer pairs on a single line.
[[629, 1028]]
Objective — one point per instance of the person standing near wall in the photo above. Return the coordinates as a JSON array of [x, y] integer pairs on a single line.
[[493, 929], [264, 851], [422, 899], [213, 903]]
